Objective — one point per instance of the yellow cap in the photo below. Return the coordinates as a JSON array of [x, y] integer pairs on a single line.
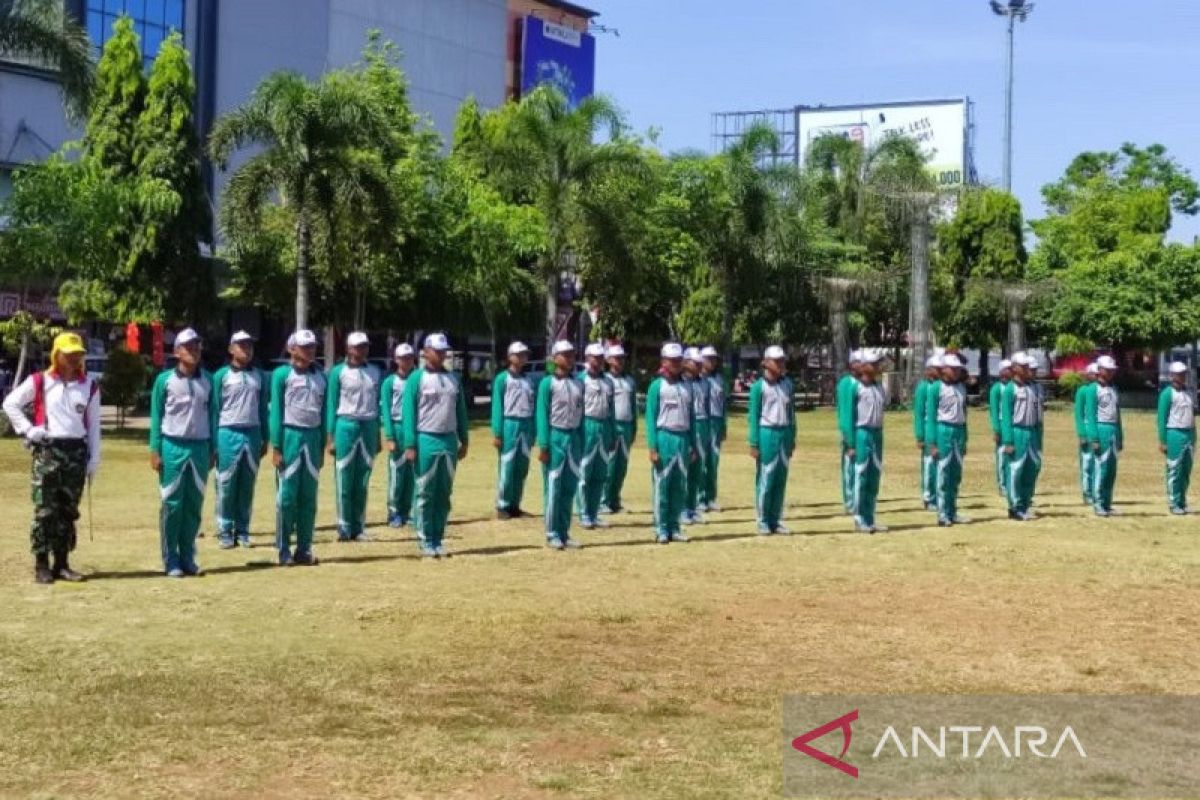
[[67, 343]]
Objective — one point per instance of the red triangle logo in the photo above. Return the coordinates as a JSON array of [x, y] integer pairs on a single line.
[[842, 723]]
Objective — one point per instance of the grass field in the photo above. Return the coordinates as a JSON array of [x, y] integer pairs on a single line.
[[624, 670]]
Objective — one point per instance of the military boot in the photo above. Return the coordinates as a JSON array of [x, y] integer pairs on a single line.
[[41, 569], [62, 569]]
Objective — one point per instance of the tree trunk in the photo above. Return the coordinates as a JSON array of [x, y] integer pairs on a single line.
[[551, 311], [920, 334], [1016, 326], [726, 311], [303, 253], [839, 331]]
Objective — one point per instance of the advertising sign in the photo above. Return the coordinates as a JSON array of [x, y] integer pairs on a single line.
[[939, 127], [560, 56]]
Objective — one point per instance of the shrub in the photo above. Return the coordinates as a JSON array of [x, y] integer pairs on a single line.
[[1069, 383], [125, 376]]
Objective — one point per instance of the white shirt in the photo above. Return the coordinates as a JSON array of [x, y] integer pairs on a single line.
[[66, 404]]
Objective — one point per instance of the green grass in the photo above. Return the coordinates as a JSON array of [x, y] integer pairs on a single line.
[[623, 670]]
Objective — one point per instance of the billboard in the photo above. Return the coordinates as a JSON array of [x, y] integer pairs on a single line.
[[940, 127], [558, 55]]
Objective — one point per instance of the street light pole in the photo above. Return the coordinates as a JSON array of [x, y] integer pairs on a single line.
[[1014, 10]]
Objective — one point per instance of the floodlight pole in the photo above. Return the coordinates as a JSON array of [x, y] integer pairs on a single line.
[[1014, 10]]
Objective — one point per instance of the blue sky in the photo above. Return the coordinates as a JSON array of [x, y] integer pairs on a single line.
[[1090, 73]]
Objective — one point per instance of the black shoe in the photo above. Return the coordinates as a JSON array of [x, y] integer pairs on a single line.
[[63, 571], [41, 570], [305, 560], [1015, 515], [516, 512], [503, 514]]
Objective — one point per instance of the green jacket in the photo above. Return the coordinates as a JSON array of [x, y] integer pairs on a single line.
[[652, 400], [158, 400], [1164, 412], [385, 409], [411, 409], [995, 398], [843, 396], [264, 396], [1091, 407], [920, 400], [278, 383], [1081, 395], [931, 415], [756, 412], [499, 383]]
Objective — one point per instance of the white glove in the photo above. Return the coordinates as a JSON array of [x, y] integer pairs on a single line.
[[37, 434]]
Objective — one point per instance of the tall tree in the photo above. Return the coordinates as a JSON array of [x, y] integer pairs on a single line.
[[39, 30], [314, 145], [120, 95], [166, 148]]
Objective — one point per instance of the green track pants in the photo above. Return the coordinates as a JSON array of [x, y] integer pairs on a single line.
[[560, 481], [1002, 470], [181, 487], [950, 440], [238, 452], [437, 461], [771, 476], [401, 478], [1181, 452], [697, 480], [618, 465], [296, 490], [513, 467], [928, 476], [712, 464], [1087, 472], [669, 481], [593, 467], [868, 468], [1023, 467], [1105, 477], [355, 445]]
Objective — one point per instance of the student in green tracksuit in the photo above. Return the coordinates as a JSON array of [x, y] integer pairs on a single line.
[[598, 437], [625, 423], [717, 393], [921, 394], [242, 428], [560, 444], [513, 432], [772, 439], [183, 429], [843, 394], [1020, 426], [861, 422], [1087, 459], [297, 443], [995, 398], [1102, 415], [1177, 436], [946, 430], [401, 478], [670, 440], [435, 440], [352, 434], [693, 366]]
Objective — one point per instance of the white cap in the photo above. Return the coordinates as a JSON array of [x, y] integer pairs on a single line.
[[933, 361], [1020, 359], [1005, 364], [304, 338], [291, 341], [867, 357], [615, 351], [856, 356], [672, 350], [708, 351], [775, 353], [437, 341], [562, 346], [693, 354], [404, 349], [1092, 368], [1106, 362], [1031, 362], [951, 360], [357, 339], [239, 337], [1178, 368], [186, 336], [518, 348], [594, 349]]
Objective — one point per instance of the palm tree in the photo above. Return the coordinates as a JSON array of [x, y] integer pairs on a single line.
[[316, 157], [554, 149], [40, 31]]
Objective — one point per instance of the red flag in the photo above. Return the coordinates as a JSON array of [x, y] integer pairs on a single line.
[[133, 341]]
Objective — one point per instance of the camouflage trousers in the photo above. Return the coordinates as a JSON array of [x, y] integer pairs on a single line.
[[59, 472]]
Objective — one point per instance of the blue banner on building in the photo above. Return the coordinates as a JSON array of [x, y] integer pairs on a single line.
[[560, 56]]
